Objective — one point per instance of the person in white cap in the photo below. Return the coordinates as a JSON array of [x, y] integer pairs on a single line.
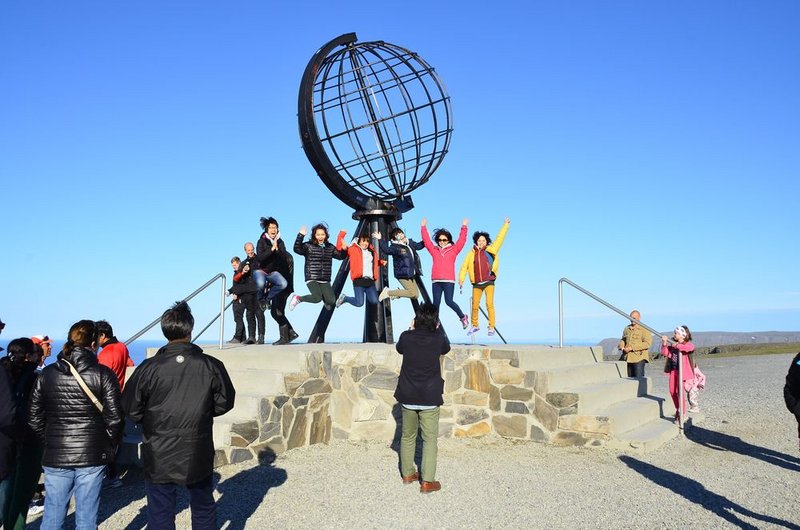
[[43, 342]]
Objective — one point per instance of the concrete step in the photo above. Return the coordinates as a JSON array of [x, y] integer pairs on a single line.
[[647, 437], [556, 379], [632, 413], [541, 358], [604, 394], [257, 382], [290, 358]]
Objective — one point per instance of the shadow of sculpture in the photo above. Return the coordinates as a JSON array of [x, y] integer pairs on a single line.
[[241, 494], [695, 492], [725, 442]]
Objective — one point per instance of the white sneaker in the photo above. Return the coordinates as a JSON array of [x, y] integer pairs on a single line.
[[35, 509], [383, 295], [294, 302], [340, 300], [473, 330], [694, 409], [491, 332]]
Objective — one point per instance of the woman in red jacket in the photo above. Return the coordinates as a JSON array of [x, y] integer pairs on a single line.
[[443, 276], [364, 265]]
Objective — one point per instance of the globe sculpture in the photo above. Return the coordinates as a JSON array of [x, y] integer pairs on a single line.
[[375, 123]]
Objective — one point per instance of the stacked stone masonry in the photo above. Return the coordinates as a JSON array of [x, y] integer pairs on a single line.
[[348, 393]]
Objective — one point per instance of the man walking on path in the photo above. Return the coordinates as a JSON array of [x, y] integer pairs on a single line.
[[635, 346], [175, 395]]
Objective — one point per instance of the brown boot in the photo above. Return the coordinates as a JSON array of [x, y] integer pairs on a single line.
[[429, 487], [410, 479]]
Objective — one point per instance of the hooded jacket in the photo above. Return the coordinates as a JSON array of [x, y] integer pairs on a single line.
[[74, 432], [175, 395], [318, 257], [355, 253], [407, 264]]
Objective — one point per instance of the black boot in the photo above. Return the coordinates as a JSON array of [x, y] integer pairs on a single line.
[[284, 332], [260, 339], [292, 334]]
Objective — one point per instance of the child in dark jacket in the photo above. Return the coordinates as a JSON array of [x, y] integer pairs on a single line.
[[319, 254], [791, 391], [364, 270], [406, 265]]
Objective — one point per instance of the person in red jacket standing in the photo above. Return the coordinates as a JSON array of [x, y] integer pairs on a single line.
[[113, 354]]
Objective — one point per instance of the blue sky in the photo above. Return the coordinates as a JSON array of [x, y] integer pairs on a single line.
[[647, 151]]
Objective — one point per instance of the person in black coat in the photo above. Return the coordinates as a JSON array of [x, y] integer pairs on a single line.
[[80, 427], [274, 258], [407, 266], [419, 391], [319, 254], [175, 395], [7, 415], [791, 391]]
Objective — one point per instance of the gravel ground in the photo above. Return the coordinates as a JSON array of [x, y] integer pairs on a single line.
[[734, 470]]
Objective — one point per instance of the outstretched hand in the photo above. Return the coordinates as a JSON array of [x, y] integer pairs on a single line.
[[465, 222], [508, 220], [376, 235], [424, 221], [303, 230]]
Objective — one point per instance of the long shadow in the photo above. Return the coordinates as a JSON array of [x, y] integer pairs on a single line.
[[695, 492], [242, 493], [725, 442]]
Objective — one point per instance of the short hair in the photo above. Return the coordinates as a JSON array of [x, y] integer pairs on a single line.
[[266, 221], [104, 328], [442, 232], [320, 226], [82, 334], [20, 349], [393, 233], [235, 259], [177, 322], [478, 234], [427, 317]]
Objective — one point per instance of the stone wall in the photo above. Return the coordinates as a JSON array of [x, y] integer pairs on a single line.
[[349, 394]]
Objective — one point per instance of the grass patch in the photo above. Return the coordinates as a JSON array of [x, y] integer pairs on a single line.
[[737, 350]]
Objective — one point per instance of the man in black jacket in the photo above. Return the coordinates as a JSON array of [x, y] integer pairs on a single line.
[[175, 395], [243, 291]]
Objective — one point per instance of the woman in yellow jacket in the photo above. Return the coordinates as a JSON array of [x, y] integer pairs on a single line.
[[481, 263]]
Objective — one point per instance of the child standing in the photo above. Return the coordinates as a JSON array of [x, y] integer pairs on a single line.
[[682, 342], [406, 265], [319, 254], [364, 265], [481, 263], [443, 275]]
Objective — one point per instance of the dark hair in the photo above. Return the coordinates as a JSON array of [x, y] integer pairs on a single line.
[[393, 233], [20, 349], [427, 317], [82, 334], [266, 221], [442, 232], [319, 226], [688, 333], [478, 234], [104, 328], [364, 235], [235, 258], [177, 322]]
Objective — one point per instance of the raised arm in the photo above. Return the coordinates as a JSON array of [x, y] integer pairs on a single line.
[[462, 237], [501, 236], [426, 238]]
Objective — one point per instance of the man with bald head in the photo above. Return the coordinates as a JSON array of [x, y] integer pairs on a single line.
[[635, 345], [248, 266]]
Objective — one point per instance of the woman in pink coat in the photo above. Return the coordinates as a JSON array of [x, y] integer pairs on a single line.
[[443, 276], [682, 342]]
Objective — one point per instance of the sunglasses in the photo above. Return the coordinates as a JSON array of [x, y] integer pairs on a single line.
[[443, 239]]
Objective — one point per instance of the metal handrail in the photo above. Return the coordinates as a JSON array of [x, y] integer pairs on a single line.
[[681, 411], [199, 290], [594, 297]]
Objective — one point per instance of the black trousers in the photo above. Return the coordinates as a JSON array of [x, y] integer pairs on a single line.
[[278, 308], [161, 500], [636, 369], [247, 304]]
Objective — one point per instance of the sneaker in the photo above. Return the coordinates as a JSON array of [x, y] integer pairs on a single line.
[[464, 322], [294, 302], [383, 295], [473, 330], [234, 340], [35, 508], [115, 482], [694, 409], [491, 332], [340, 300]]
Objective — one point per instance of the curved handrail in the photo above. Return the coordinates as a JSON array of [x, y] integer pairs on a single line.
[[197, 291], [681, 411]]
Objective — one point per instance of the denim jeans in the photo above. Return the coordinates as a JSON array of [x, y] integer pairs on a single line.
[[275, 278], [60, 484], [446, 289], [371, 293], [161, 500]]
